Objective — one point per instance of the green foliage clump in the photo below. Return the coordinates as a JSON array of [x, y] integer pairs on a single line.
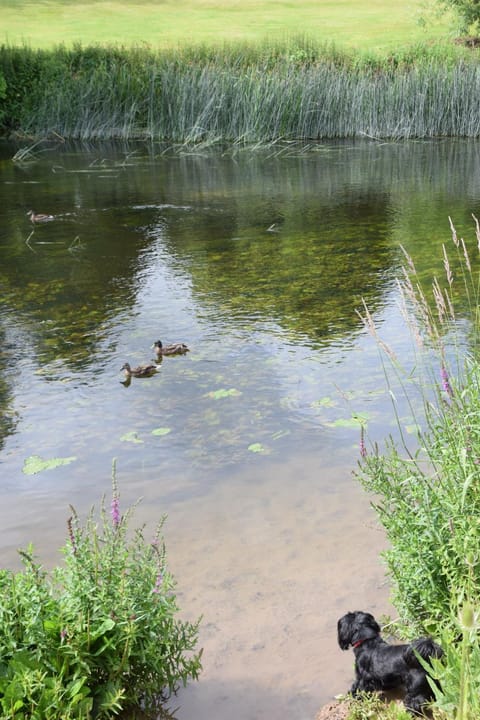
[[429, 501], [370, 706], [468, 12], [99, 634], [431, 509], [240, 93], [456, 675], [3, 92]]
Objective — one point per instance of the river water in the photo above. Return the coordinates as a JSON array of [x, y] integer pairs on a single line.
[[259, 261]]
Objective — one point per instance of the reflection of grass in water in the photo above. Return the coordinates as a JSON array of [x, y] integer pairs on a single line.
[[309, 277]]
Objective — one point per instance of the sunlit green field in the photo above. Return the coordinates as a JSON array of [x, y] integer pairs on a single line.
[[373, 25]]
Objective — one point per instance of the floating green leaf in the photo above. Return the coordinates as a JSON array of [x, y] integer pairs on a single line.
[[35, 464], [323, 402], [353, 422], [412, 429], [223, 393], [280, 433], [256, 448], [131, 437], [161, 431], [343, 422]]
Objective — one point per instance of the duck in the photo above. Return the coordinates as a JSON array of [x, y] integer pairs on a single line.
[[173, 349], [39, 217], [139, 371]]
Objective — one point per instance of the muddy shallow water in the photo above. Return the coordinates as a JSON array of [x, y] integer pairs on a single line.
[[271, 559], [258, 261], [282, 567]]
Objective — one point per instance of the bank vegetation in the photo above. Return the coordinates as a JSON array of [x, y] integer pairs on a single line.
[[240, 93]]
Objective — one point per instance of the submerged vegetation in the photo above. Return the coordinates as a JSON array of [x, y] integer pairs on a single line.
[[240, 93], [428, 500]]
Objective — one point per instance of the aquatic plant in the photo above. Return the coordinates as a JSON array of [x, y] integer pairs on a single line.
[[98, 634], [241, 94]]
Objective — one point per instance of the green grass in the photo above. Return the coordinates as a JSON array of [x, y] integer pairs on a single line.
[[250, 94], [378, 25]]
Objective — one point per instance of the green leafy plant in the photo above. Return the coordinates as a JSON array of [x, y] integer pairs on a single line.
[[370, 706], [428, 498], [468, 13], [456, 675], [97, 635]]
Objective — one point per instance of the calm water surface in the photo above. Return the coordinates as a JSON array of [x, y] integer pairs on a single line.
[[258, 261]]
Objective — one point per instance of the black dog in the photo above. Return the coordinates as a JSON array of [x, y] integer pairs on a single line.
[[380, 666]]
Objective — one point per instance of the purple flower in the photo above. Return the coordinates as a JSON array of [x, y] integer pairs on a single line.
[[363, 449], [115, 505], [446, 381], [115, 510], [63, 634], [71, 535], [158, 583]]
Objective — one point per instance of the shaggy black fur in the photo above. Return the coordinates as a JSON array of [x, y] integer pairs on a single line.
[[380, 666]]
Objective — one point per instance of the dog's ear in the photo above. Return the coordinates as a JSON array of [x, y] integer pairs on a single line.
[[356, 626], [345, 630]]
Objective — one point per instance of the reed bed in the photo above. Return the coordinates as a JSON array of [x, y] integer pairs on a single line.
[[239, 94]]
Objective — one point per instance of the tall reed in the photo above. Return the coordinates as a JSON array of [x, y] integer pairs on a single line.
[[243, 93]]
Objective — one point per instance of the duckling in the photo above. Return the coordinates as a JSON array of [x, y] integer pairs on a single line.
[[174, 349], [140, 371], [39, 217]]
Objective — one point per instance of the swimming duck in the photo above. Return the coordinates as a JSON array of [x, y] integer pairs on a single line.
[[174, 349], [139, 371], [39, 217]]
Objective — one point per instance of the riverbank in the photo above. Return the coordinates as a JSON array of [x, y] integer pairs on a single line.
[[337, 710], [240, 94]]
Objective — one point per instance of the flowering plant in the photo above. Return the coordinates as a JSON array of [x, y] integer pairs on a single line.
[[99, 634], [428, 498]]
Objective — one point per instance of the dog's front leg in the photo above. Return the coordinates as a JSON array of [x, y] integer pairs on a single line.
[[363, 683], [354, 690]]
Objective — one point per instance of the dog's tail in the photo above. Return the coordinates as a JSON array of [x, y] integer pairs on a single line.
[[426, 648]]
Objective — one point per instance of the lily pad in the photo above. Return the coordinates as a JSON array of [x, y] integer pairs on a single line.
[[323, 402], [257, 448], [35, 464], [161, 431], [131, 437], [413, 429], [223, 393], [354, 421]]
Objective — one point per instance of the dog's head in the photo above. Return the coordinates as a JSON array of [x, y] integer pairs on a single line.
[[354, 627]]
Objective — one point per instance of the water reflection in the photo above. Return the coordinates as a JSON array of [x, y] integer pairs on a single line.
[[258, 261], [307, 273]]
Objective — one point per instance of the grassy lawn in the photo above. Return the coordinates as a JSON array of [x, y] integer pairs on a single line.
[[374, 25]]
